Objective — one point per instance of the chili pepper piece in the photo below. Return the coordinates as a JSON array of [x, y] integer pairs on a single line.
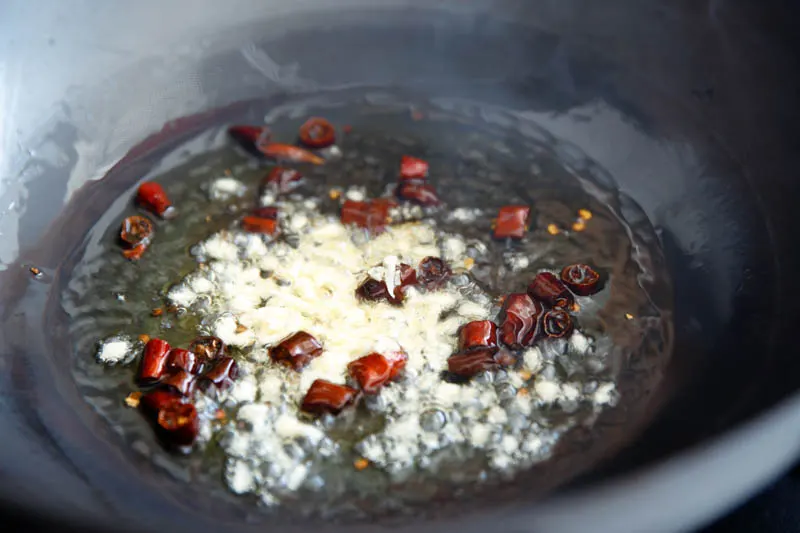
[[421, 193], [370, 372], [178, 423], [317, 132], [136, 230], [153, 401], [208, 348], [179, 381], [372, 215], [372, 290], [477, 334], [397, 362], [250, 137], [297, 350], [548, 289], [135, 253], [557, 324], [512, 221], [412, 168], [472, 363], [282, 180], [287, 152], [520, 320], [433, 273], [326, 397], [256, 224], [154, 360], [224, 371], [581, 279], [151, 196], [181, 359]]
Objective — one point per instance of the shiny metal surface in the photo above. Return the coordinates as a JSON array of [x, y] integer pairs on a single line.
[[691, 106]]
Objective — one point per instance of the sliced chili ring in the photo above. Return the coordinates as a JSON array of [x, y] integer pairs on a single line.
[[136, 230], [557, 323], [581, 279], [317, 133], [178, 423], [326, 397]]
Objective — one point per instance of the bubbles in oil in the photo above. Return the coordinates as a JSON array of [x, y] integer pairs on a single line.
[[482, 159]]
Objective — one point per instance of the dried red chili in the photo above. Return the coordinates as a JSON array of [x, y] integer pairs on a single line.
[[397, 362], [581, 279], [178, 423], [433, 273], [372, 290], [548, 289], [154, 360], [224, 371], [412, 168], [249, 137], [262, 225], [472, 363], [135, 253], [282, 180], [180, 359], [512, 222], [287, 152], [136, 230], [297, 350], [372, 215], [151, 196], [208, 348], [557, 323], [158, 399], [317, 133], [370, 372], [477, 334], [520, 320], [326, 397], [179, 381], [421, 193]]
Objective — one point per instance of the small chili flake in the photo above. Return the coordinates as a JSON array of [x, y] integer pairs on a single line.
[[469, 263], [372, 215], [334, 194], [585, 214], [132, 400], [629, 316], [157, 311], [552, 229], [35, 271], [579, 225], [512, 221], [317, 133], [144, 338], [361, 463]]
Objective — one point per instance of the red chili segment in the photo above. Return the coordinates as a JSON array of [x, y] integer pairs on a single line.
[[421, 193], [222, 373], [433, 273], [512, 221], [297, 350], [477, 334], [179, 381], [370, 372], [151, 196], [180, 359], [472, 363], [326, 397], [557, 323], [581, 279], [208, 348], [136, 230], [154, 360], [158, 399], [413, 168], [317, 133], [287, 152], [548, 289], [135, 253], [178, 423], [249, 137], [256, 224], [372, 215], [282, 179], [520, 320]]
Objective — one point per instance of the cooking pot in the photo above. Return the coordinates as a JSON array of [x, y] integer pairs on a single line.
[[690, 106]]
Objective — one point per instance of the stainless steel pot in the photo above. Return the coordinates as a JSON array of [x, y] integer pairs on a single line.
[[691, 106]]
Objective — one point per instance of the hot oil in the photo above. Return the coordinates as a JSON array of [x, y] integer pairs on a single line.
[[478, 160]]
